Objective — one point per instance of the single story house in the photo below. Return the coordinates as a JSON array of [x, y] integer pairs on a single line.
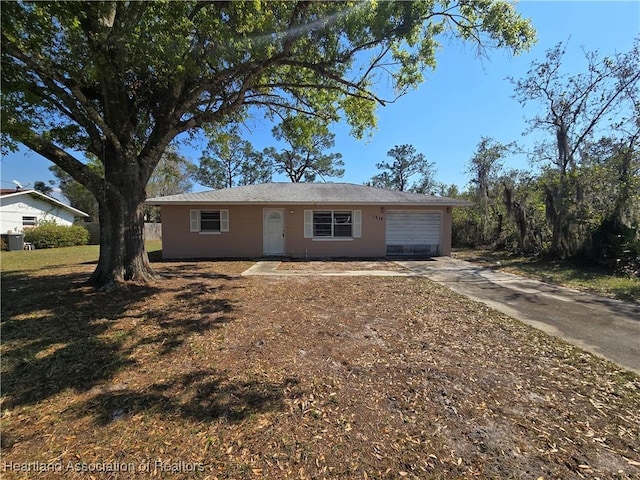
[[21, 209], [304, 220]]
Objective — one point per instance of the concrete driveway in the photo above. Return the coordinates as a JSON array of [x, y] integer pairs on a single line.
[[608, 328]]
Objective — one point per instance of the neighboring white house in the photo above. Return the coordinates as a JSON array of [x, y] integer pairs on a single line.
[[20, 209]]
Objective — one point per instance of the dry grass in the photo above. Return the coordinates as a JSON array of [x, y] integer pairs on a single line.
[[214, 375]]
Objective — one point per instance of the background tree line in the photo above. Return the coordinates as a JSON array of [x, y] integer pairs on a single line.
[[583, 199]]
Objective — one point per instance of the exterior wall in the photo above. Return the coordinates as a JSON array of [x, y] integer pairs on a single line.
[[243, 240], [245, 236], [12, 210], [445, 232]]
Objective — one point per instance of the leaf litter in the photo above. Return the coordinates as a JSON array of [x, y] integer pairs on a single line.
[[211, 375]]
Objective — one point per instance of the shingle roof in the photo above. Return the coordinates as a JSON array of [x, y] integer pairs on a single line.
[[305, 194]]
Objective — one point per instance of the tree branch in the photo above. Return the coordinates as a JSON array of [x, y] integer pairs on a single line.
[[78, 170], [86, 116], [604, 110]]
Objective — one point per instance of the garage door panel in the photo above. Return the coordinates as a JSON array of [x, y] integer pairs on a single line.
[[413, 233]]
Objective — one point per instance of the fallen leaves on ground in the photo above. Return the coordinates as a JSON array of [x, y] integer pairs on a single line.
[[208, 375]]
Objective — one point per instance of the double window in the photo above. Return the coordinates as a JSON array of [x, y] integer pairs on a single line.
[[209, 221], [332, 224]]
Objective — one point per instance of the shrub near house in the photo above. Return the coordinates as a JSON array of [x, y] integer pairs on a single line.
[[50, 235]]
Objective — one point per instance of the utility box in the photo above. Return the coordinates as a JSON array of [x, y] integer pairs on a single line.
[[14, 241]]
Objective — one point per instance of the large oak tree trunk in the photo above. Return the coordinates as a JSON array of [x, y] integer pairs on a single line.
[[123, 256]]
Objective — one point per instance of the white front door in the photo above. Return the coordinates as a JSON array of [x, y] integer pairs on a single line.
[[273, 231]]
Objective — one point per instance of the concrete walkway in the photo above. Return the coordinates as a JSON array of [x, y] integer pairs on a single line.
[[609, 328], [606, 327], [270, 267]]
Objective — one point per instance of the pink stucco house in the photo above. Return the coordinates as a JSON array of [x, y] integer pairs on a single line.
[[304, 220]]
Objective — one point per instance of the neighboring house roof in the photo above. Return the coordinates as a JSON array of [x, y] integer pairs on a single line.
[[8, 193], [307, 194]]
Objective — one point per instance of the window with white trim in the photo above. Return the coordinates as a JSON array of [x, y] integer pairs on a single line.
[[209, 221], [328, 224]]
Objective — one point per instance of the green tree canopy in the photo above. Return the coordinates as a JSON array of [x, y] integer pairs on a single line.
[[485, 167], [42, 187], [305, 158], [229, 161], [174, 174], [574, 109], [407, 164], [120, 80]]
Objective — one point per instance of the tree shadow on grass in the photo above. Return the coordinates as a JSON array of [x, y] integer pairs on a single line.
[[58, 333], [202, 395], [192, 270], [173, 328]]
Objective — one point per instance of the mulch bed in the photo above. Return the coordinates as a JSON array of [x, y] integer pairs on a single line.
[[207, 374]]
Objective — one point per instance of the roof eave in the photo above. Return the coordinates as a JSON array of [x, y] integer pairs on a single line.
[[161, 203], [46, 198]]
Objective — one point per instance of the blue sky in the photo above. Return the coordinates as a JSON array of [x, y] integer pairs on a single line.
[[465, 98]]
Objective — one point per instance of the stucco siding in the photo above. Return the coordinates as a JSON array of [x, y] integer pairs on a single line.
[[445, 232], [245, 236]]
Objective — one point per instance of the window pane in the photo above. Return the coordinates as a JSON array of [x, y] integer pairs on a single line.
[[210, 221], [342, 217], [322, 230], [322, 217], [29, 221], [342, 231], [342, 224], [321, 224], [332, 224]]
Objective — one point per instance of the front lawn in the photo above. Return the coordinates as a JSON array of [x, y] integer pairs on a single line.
[[207, 374], [23, 260]]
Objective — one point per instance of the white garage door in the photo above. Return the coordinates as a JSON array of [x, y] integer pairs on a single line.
[[413, 233]]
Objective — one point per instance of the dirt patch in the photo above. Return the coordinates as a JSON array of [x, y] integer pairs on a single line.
[[340, 265], [211, 375]]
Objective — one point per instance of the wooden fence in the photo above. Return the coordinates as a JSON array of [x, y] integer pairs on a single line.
[[152, 231]]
